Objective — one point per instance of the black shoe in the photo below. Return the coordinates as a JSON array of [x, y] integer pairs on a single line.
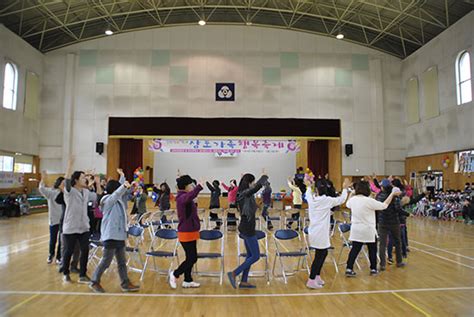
[[96, 288], [130, 288], [382, 268], [75, 270], [270, 226], [67, 279], [390, 261], [401, 264], [50, 259], [84, 280], [374, 272], [350, 273], [217, 228]]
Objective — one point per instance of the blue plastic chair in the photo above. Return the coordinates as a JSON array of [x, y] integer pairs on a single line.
[[135, 240], [164, 237], [280, 237], [262, 238], [210, 236]]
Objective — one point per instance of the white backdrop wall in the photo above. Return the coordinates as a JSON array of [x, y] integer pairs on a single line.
[[453, 129], [205, 165], [172, 72], [17, 132]]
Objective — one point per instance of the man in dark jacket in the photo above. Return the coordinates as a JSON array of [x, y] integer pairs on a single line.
[[389, 222]]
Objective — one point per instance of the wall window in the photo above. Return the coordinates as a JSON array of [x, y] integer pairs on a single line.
[[10, 86], [6, 163], [23, 168], [463, 78]]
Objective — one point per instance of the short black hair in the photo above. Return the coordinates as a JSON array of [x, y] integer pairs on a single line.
[[58, 182], [322, 187], [184, 181], [75, 177], [112, 186], [362, 188]]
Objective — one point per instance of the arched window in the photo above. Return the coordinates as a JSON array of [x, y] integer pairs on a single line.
[[10, 86], [463, 78]]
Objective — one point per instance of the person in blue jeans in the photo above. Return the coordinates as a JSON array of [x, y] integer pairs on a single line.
[[247, 206]]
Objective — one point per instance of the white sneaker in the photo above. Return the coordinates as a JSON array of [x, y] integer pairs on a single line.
[[190, 285], [172, 280]]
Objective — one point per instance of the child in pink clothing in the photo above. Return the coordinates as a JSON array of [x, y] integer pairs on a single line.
[[231, 197]]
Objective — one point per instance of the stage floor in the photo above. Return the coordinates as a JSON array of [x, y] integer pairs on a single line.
[[438, 281]]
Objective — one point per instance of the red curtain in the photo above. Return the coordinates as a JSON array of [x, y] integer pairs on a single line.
[[318, 157], [131, 156]]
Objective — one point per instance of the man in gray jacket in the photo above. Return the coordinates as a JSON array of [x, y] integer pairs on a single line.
[[114, 233], [76, 221]]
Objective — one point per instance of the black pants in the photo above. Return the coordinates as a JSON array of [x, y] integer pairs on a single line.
[[319, 258], [394, 230], [356, 247], [53, 238], [75, 254], [69, 244], [190, 249]]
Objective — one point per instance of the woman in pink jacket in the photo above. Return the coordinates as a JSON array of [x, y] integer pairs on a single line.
[[231, 197]]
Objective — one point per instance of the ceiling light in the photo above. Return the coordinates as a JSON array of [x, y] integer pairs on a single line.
[[248, 23], [202, 22], [340, 36], [109, 32]]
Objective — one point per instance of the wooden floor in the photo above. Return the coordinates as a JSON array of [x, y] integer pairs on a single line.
[[438, 281]]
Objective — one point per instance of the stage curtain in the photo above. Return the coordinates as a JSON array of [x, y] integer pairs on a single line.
[[318, 157], [131, 156]]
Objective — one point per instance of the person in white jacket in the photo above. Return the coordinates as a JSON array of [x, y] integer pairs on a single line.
[[319, 208], [363, 230], [54, 214]]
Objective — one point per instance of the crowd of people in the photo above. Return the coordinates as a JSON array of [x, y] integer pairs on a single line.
[[82, 205], [448, 205]]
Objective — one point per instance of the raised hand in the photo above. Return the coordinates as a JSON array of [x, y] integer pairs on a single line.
[[346, 184], [120, 171]]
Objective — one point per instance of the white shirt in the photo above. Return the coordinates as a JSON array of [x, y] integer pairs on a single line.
[[319, 209], [363, 218]]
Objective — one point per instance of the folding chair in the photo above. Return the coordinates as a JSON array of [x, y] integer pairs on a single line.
[[344, 228], [263, 241], [300, 253], [165, 237], [288, 218], [135, 240], [219, 219], [171, 219], [275, 215], [212, 235], [228, 218], [95, 247], [310, 248]]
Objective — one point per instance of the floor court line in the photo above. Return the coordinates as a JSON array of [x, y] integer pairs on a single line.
[[411, 304], [309, 294], [444, 250], [442, 257]]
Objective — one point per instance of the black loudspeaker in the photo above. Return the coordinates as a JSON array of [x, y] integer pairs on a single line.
[[99, 147], [349, 149]]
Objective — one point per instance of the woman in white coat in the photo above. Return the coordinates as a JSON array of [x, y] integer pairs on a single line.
[[319, 207], [363, 229]]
